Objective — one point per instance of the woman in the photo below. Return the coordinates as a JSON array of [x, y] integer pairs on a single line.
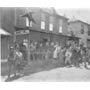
[[56, 51]]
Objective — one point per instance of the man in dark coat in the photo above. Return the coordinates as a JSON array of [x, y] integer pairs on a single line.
[[10, 60]]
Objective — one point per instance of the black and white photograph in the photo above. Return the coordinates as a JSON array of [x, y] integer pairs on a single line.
[[40, 44]]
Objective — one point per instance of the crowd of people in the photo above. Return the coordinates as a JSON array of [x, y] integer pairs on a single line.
[[70, 54]]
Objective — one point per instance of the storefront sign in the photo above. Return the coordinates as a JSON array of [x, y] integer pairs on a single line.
[[20, 32]]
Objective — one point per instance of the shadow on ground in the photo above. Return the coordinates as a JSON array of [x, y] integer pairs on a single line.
[[13, 78]]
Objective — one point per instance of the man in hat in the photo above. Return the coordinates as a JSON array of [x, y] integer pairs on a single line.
[[10, 60]]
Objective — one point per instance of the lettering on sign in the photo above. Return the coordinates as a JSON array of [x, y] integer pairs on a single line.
[[22, 32]]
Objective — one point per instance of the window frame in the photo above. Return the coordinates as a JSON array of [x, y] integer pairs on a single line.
[[43, 24]]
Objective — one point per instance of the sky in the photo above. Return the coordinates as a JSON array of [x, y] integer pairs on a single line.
[[76, 14], [80, 9]]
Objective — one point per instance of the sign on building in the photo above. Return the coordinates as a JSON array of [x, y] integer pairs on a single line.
[[20, 32]]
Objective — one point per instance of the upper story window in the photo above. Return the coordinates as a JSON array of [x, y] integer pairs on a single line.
[[27, 23], [60, 29], [60, 26], [51, 27], [42, 21], [42, 25], [82, 29], [51, 21]]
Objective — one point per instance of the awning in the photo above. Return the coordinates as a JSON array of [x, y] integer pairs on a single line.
[[4, 32]]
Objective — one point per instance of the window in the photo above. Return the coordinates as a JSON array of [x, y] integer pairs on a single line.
[[51, 27], [60, 26], [27, 23], [60, 29], [82, 29], [51, 23], [42, 25], [42, 21]]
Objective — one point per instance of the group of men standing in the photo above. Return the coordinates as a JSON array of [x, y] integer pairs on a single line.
[[17, 57], [71, 54]]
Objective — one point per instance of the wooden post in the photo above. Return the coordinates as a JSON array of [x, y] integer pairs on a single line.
[[29, 43], [29, 47]]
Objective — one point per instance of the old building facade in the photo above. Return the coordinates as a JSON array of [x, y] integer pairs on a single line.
[[81, 30], [48, 26]]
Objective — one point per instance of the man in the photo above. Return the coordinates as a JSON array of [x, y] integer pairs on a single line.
[[62, 55], [18, 60], [68, 55], [51, 48], [11, 62], [23, 50], [47, 51], [35, 50], [83, 52], [77, 55]]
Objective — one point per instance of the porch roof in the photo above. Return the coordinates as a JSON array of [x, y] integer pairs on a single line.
[[4, 32]]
